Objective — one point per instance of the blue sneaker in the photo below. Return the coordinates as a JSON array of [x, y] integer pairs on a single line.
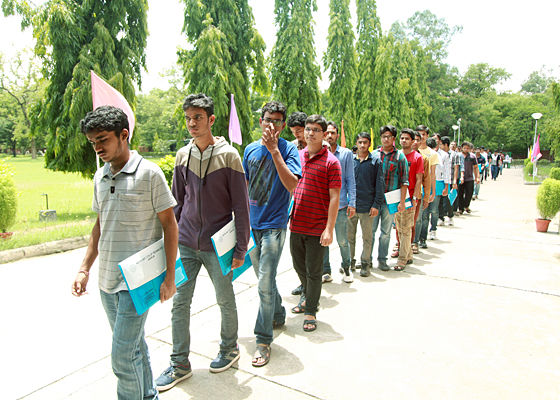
[[172, 376], [224, 360]]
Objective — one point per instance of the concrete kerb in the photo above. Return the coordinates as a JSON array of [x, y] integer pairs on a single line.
[[43, 249]]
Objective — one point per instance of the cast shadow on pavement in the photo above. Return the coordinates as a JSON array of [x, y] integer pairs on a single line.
[[279, 356], [205, 385]]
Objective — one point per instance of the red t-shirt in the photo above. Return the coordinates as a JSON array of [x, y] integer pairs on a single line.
[[311, 196], [415, 166]]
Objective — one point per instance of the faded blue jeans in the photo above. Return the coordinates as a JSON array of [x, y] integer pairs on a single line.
[[181, 311], [385, 221], [265, 257], [129, 353], [433, 212], [341, 229]]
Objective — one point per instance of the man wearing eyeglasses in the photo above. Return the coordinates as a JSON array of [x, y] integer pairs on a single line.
[[272, 169]]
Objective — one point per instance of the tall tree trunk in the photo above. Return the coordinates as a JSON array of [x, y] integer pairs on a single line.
[[33, 149]]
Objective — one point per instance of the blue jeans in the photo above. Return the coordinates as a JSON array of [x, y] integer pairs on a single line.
[[129, 353], [181, 311], [341, 229], [419, 221], [385, 221], [265, 257], [433, 211]]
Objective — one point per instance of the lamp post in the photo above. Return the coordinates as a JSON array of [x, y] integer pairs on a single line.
[[455, 127], [459, 137], [536, 117]]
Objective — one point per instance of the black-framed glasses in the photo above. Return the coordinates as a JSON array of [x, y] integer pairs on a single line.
[[275, 122]]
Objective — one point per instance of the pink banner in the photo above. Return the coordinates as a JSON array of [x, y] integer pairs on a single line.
[[104, 94], [536, 150], [234, 130]]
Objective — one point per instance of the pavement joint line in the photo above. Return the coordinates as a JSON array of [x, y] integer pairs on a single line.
[[483, 283]]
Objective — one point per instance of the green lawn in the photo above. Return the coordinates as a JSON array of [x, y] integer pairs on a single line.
[[543, 171], [69, 194]]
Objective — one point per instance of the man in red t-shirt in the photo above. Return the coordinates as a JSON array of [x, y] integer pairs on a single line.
[[315, 209], [405, 220]]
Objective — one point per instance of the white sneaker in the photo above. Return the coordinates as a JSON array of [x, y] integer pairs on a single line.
[[450, 222], [432, 235], [348, 277], [441, 222], [327, 278]]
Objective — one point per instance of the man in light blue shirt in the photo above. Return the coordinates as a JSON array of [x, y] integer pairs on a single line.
[[347, 205]]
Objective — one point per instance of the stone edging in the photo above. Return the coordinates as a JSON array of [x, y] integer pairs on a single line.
[[43, 249]]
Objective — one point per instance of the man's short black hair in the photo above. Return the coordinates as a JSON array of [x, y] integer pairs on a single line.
[[364, 135], [274, 107], [317, 119], [437, 135], [333, 124], [297, 118], [417, 135], [423, 128], [446, 140], [104, 118], [431, 143], [466, 144], [199, 100], [408, 132], [388, 128]]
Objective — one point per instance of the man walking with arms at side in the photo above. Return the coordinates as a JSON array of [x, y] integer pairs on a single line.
[[134, 207], [272, 168], [209, 185], [346, 207]]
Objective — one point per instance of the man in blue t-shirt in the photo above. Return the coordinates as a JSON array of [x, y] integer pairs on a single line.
[[272, 168]]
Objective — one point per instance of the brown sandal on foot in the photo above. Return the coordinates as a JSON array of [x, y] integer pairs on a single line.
[[262, 355]]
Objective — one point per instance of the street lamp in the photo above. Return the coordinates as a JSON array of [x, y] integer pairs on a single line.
[[459, 137], [455, 127], [536, 117]]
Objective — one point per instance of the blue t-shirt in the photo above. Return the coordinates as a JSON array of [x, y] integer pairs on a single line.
[[268, 198]]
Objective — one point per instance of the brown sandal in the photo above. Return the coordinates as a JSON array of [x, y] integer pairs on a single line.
[[262, 353], [414, 248]]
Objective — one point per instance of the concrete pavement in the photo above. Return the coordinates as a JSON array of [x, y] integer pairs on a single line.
[[475, 316]]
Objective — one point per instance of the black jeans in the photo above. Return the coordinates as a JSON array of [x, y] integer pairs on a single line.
[[464, 194], [445, 208], [307, 257]]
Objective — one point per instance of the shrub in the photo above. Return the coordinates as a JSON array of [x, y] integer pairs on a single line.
[[167, 164], [555, 173], [548, 198], [8, 198], [528, 169], [526, 161]]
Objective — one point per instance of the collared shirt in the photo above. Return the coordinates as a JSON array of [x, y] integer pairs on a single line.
[[348, 189], [311, 196], [127, 204], [443, 170], [369, 183], [299, 145], [395, 168]]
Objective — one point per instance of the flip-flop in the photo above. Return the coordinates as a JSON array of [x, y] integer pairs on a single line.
[[312, 322], [262, 352]]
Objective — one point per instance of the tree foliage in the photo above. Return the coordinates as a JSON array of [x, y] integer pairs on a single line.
[[537, 82], [340, 58], [227, 57], [73, 38], [294, 72]]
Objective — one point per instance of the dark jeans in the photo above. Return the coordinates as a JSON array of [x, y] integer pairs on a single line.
[[495, 170], [445, 208], [307, 257], [464, 194]]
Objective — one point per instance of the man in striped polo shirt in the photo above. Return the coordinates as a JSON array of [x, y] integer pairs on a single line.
[[316, 200], [134, 207]]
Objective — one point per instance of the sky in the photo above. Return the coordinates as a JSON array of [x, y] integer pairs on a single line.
[[514, 35]]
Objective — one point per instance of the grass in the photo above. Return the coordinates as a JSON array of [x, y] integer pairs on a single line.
[[543, 171], [69, 194]]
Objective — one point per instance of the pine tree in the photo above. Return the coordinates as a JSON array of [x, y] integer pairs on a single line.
[[228, 57], [340, 58], [293, 70], [73, 38]]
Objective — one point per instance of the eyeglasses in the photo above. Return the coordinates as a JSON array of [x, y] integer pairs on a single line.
[[315, 130], [275, 122]]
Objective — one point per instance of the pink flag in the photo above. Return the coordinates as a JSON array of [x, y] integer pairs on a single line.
[[234, 130], [104, 94], [536, 151]]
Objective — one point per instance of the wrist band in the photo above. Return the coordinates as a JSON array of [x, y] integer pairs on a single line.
[[86, 273]]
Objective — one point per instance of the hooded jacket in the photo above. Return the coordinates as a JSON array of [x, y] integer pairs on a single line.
[[208, 187]]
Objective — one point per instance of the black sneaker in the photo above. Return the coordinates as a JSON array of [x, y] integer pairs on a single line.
[[224, 360], [172, 376], [423, 244], [364, 271], [382, 265], [298, 291]]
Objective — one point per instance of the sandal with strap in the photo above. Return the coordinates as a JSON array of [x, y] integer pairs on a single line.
[[307, 323], [261, 356], [414, 248], [399, 267], [300, 308]]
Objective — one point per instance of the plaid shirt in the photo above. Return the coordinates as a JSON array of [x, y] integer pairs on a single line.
[[395, 169]]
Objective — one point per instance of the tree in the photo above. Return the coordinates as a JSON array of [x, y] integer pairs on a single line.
[[480, 79], [227, 57], [293, 70], [537, 82], [340, 58], [22, 82], [373, 66], [72, 39]]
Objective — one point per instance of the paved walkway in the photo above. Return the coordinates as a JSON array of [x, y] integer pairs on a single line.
[[476, 316]]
